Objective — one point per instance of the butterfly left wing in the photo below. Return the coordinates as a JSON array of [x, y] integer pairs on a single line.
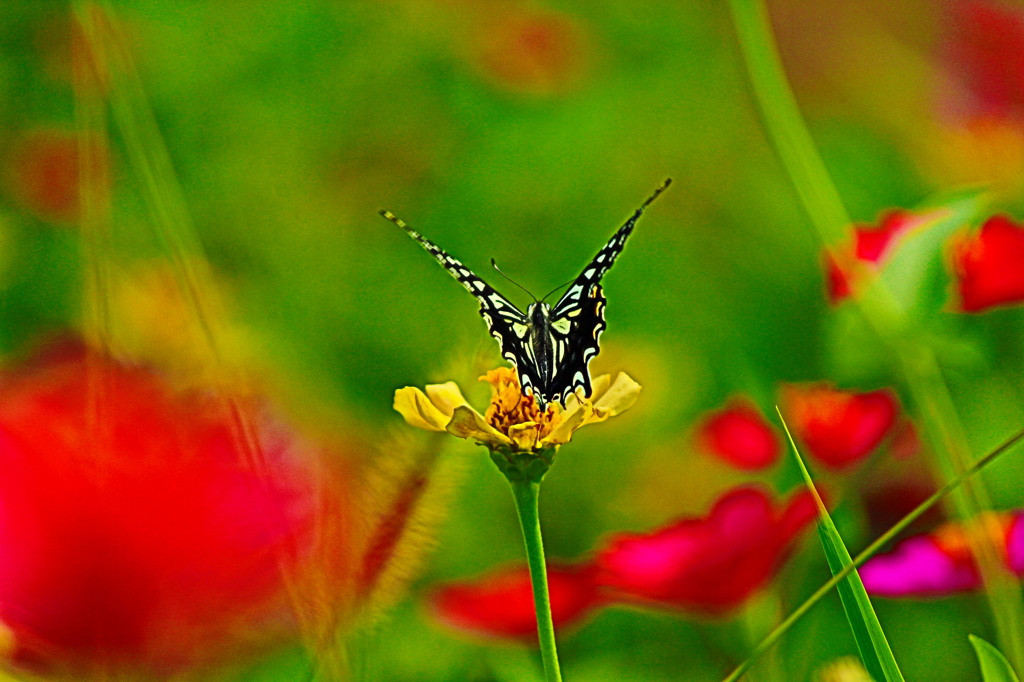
[[577, 320], [505, 322]]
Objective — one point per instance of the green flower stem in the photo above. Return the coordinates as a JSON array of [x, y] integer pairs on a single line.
[[912, 355], [527, 495]]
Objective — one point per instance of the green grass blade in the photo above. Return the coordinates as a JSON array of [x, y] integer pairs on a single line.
[[867, 631], [994, 666], [882, 540]]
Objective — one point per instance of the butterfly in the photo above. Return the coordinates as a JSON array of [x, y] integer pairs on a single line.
[[550, 346]]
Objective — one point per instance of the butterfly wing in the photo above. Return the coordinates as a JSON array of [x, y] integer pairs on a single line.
[[577, 320], [505, 322]]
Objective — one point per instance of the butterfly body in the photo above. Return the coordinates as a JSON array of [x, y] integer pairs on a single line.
[[550, 346]]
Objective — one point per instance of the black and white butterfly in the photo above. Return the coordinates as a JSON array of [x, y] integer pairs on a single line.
[[550, 346]]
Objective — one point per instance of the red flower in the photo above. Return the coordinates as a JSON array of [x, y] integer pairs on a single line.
[[941, 562], [711, 564], [740, 435], [43, 175], [132, 535], [500, 604], [985, 51], [988, 265], [871, 247], [538, 53], [839, 428]]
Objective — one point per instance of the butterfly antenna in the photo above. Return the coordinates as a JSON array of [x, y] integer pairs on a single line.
[[494, 265], [558, 287]]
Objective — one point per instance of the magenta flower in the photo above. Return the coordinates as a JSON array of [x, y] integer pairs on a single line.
[[711, 564], [940, 562]]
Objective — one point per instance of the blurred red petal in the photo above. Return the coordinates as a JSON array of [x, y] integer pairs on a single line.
[[42, 174], [532, 52], [500, 603], [740, 435], [838, 282], [871, 247], [710, 564], [987, 265], [984, 51], [839, 428], [133, 534]]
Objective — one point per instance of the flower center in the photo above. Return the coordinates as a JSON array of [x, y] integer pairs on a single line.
[[509, 407]]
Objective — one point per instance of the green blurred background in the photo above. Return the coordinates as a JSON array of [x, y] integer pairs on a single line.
[[528, 132]]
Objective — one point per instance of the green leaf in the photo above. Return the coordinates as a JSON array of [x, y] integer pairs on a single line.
[[867, 631], [994, 666]]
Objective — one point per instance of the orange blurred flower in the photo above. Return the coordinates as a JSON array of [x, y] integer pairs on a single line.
[[839, 428]]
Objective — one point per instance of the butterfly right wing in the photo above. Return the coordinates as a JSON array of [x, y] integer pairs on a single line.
[[577, 319], [505, 322]]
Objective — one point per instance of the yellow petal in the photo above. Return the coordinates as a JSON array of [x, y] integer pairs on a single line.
[[418, 410], [599, 384], [618, 397], [524, 436], [446, 397], [468, 423], [608, 399], [581, 414]]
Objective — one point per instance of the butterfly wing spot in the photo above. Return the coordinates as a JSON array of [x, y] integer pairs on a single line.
[[562, 325]]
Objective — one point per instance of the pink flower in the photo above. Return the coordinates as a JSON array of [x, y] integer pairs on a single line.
[[500, 603], [941, 563], [839, 428], [987, 265], [710, 564], [740, 435]]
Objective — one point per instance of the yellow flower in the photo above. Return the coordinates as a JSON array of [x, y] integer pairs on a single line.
[[845, 669], [512, 422]]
